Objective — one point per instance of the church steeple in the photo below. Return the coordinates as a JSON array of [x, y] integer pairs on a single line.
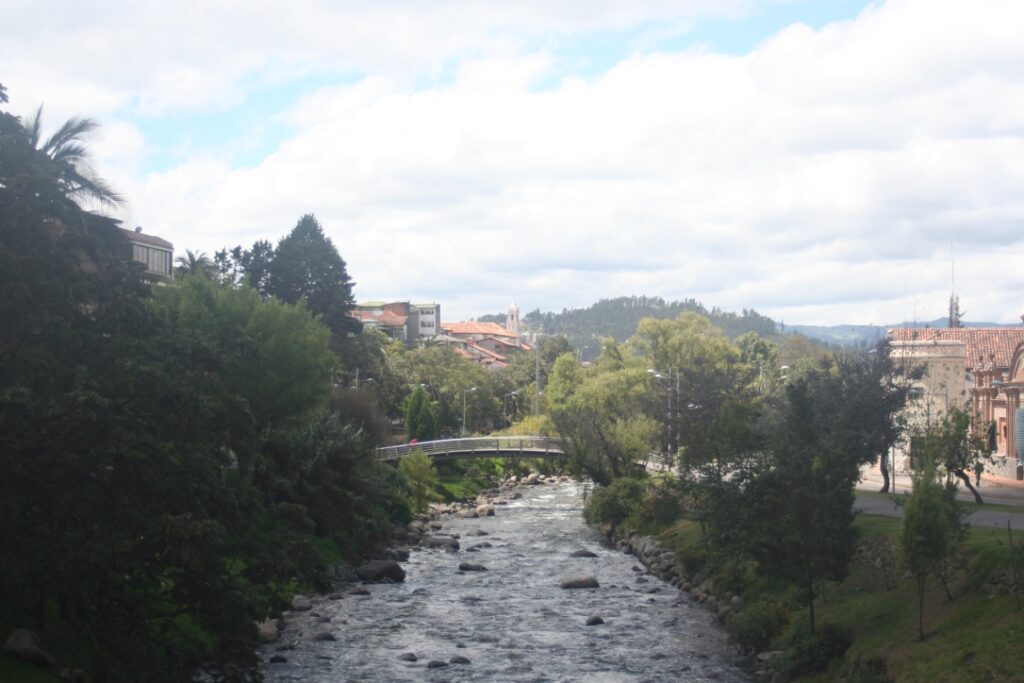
[[512, 321]]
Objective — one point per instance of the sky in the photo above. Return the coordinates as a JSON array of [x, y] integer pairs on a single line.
[[819, 161]]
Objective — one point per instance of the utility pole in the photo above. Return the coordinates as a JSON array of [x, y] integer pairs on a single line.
[[536, 375]]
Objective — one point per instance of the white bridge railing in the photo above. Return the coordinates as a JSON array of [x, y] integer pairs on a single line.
[[488, 446]]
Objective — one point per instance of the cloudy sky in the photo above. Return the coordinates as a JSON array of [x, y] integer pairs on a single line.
[[816, 160]]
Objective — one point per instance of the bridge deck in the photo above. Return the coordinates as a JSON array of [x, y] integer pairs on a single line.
[[478, 447]]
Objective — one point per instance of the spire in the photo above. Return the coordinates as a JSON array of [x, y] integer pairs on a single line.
[[512, 321]]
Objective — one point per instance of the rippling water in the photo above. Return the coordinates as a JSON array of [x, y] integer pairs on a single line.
[[512, 622]]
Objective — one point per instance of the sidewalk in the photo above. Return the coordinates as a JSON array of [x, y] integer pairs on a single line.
[[993, 489]]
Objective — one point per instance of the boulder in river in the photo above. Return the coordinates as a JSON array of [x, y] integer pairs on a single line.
[[441, 542], [436, 664], [582, 553], [324, 636], [595, 621], [381, 570], [267, 631], [458, 659], [24, 644], [408, 657], [301, 603], [470, 567], [580, 582]]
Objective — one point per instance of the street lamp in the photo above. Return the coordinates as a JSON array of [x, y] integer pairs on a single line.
[[511, 393], [464, 392], [671, 408]]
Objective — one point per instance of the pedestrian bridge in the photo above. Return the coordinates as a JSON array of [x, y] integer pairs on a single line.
[[478, 447]]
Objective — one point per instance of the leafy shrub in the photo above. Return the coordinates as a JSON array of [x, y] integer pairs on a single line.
[[734, 574], [661, 507], [754, 626], [614, 503], [808, 653]]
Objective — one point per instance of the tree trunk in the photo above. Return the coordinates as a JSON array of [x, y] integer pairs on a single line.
[[921, 607], [883, 467], [966, 479], [810, 594]]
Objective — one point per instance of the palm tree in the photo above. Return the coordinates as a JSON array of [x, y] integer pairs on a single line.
[[72, 166], [194, 263]]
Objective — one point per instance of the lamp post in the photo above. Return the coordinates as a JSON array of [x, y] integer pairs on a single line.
[[671, 408], [505, 409], [464, 392]]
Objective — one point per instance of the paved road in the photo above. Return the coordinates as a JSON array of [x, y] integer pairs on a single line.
[[993, 493]]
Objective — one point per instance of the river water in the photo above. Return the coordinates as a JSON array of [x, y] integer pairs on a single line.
[[512, 622]]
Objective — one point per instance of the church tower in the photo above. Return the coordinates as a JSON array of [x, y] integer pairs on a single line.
[[512, 321]]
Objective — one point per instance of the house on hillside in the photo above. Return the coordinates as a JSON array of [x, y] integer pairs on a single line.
[[155, 253], [401, 320]]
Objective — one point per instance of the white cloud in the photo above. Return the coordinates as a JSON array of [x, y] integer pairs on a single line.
[[819, 178]]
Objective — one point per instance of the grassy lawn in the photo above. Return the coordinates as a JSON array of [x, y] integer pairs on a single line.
[[975, 637]]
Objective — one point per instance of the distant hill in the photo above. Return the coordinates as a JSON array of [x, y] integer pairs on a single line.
[[618, 318], [857, 335]]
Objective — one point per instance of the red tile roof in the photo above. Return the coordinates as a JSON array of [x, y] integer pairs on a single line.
[[143, 238], [490, 329], [385, 318], [982, 342]]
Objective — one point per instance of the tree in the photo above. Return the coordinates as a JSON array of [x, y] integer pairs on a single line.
[[276, 356], [72, 168], [600, 414], [420, 422], [306, 266], [957, 445], [421, 476], [194, 263], [932, 527]]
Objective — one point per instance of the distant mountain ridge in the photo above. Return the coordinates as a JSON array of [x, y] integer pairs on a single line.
[[856, 335]]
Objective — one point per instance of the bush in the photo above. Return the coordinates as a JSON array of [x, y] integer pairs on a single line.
[[658, 510], [757, 624], [612, 504], [808, 653]]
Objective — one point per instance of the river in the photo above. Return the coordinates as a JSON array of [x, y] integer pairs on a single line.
[[512, 622]]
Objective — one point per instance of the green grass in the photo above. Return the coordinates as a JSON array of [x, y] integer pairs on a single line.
[[974, 637]]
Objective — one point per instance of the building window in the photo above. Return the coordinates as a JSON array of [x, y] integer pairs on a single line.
[[156, 261]]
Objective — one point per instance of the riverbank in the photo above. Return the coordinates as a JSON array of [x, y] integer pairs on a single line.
[[870, 617]]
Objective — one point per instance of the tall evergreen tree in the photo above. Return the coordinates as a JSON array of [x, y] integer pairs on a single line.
[[306, 265]]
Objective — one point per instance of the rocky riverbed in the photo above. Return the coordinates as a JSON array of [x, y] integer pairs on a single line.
[[514, 587]]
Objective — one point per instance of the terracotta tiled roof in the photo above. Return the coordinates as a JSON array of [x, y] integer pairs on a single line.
[[982, 342], [477, 347], [490, 329], [385, 318]]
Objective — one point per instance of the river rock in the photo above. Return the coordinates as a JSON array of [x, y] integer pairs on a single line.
[[24, 644], [594, 621], [477, 532], [325, 636], [470, 567], [458, 659], [441, 542], [267, 631], [436, 664], [301, 603], [381, 570], [580, 582], [468, 514], [478, 546], [485, 510], [278, 659], [408, 657], [359, 591], [582, 553]]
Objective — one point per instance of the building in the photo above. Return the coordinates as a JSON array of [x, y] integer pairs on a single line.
[[488, 344], [429, 319], [401, 320], [155, 253], [974, 369]]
